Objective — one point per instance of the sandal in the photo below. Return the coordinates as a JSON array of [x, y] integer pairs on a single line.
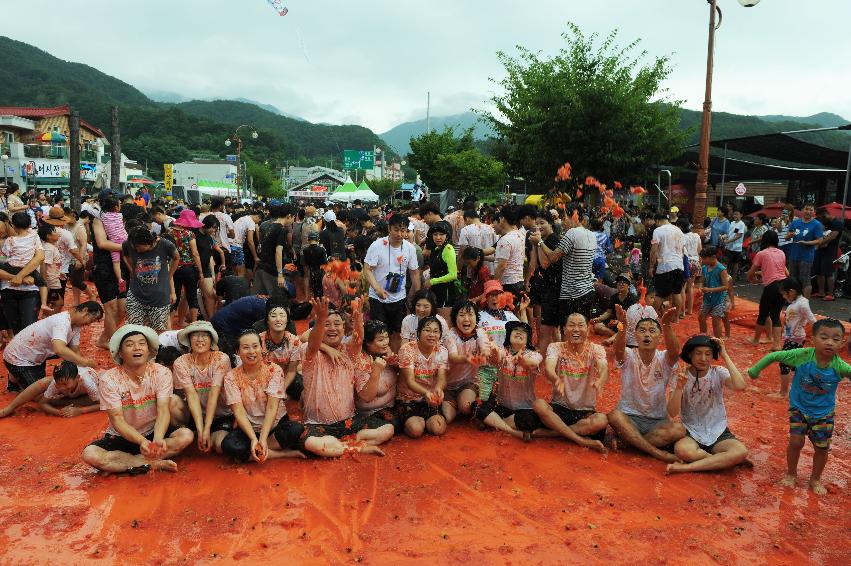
[[828, 298], [139, 470]]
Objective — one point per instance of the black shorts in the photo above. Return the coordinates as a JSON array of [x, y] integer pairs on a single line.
[[726, 435], [343, 428], [224, 422], [824, 265], [77, 277], [106, 283], [550, 312], [571, 416], [524, 419], [25, 376], [55, 295], [581, 305], [117, 443], [390, 314], [669, 283], [444, 295], [733, 257], [420, 409], [388, 415]]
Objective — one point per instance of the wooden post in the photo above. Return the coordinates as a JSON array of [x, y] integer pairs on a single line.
[[75, 159], [699, 211], [115, 163]]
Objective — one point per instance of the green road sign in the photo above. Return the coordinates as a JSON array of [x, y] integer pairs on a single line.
[[355, 159]]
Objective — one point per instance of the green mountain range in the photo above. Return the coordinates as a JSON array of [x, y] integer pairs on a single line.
[[168, 132]]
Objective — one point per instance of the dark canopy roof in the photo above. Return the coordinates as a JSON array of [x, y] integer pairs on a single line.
[[742, 169], [784, 147]]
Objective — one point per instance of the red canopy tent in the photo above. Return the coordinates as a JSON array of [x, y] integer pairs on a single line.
[[835, 210], [772, 210]]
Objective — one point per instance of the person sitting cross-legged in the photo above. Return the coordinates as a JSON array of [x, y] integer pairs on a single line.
[[137, 396]]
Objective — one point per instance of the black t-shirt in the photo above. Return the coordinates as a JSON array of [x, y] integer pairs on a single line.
[[551, 276], [275, 236], [314, 256], [627, 302], [334, 242], [232, 288], [130, 210], [205, 243], [834, 225]]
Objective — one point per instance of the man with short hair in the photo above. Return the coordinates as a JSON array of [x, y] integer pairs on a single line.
[[72, 391], [26, 355], [137, 397], [510, 253], [826, 254], [430, 214], [666, 263], [226, 229], [389, 261], [720, 226], [733, 243], [275, 254], [477, 234], [806, 235]]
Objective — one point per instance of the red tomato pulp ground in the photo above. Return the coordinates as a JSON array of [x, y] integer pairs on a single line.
[[469, 497]]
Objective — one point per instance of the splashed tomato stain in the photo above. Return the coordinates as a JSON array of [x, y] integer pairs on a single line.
[[467, 496]]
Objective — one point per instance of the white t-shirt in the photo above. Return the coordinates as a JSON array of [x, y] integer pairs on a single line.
[[463, 374], [34, 344], [88, 385], [691, 241], [480, 236], [225, 224], [20, 250], [169, 338], [384, 258], [643, 387], [669, 251], [410, 323], [731, 233], [65, 244], [494, 327], [511, 247], [241, 228], [798, 315], [703, 412]]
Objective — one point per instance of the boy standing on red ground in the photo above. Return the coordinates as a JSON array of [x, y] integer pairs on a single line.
[[812, 397]]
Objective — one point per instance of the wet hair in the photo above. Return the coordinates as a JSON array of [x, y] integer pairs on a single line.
[[682, 224], [109, 204], [709, 251], [217, 203], [371, 330], [428, 296], [130, 335], [428, 320], [398, 220], [65, 370], [276, 303], [791, 284], [429, 207], [247, 332], [509, 214], [525, 210], [210, 221], [463, 305], [141, 236], [827, 323], [769, 239], [45, 230], [21, 220], [473, 253], [519, 326], [91, 307], [470, 213], [167, 355], [585, 318], [649, 319]]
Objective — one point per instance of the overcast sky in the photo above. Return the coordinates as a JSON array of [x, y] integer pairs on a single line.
[[371, 62]]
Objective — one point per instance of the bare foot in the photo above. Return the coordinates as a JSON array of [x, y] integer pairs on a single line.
[[817, 487], [45, 308], [164, 465], [371, 450], [675, 467], [595, 445], [764, 341], [777, 395], [667, 457], [787, 481], [752, 341]]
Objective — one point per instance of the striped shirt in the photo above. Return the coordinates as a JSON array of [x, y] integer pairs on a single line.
[[579, 246]]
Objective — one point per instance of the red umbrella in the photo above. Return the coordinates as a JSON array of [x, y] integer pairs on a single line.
[[141, 181], [835, 210]]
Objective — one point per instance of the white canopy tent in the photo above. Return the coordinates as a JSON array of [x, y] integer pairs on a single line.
[[365, 194], [346, 192]]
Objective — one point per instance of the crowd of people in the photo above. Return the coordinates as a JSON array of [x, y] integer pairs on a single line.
[[416, 319]]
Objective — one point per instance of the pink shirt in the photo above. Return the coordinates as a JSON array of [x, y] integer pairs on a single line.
[[329, 388], [281, 353], [137, 400], [772, 262], [386, 393], [516, 382], [189, 376], [52, 266], [253, 394], [578, 371], [425, 368], [461, 374]]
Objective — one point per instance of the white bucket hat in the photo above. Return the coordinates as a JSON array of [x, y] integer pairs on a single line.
[[200, 326], [121, 334]]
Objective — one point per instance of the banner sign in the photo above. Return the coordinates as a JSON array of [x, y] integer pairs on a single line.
[[55, 169], [168, 176]]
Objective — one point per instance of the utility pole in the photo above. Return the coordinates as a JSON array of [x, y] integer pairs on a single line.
[[75, 159], [705, 127], [115, 157], [428, 112]]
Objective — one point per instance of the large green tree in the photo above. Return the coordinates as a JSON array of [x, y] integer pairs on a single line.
[[593, 104], [446, 161]]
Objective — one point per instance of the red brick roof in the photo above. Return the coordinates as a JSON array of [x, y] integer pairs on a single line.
[[65, 109]]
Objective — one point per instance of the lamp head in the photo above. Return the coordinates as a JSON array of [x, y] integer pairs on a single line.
[[227, 142], [748, 3], [254, 134]]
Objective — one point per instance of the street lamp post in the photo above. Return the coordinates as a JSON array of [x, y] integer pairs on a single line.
[[234, 137], [706, 123], [5, 158]]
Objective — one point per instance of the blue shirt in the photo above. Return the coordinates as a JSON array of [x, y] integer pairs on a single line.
[[712, 278], [718, 228], [804, 231], [239, 315]]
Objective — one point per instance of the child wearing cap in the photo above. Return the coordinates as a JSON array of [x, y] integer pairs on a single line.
[[812, 398], [699, 397]]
